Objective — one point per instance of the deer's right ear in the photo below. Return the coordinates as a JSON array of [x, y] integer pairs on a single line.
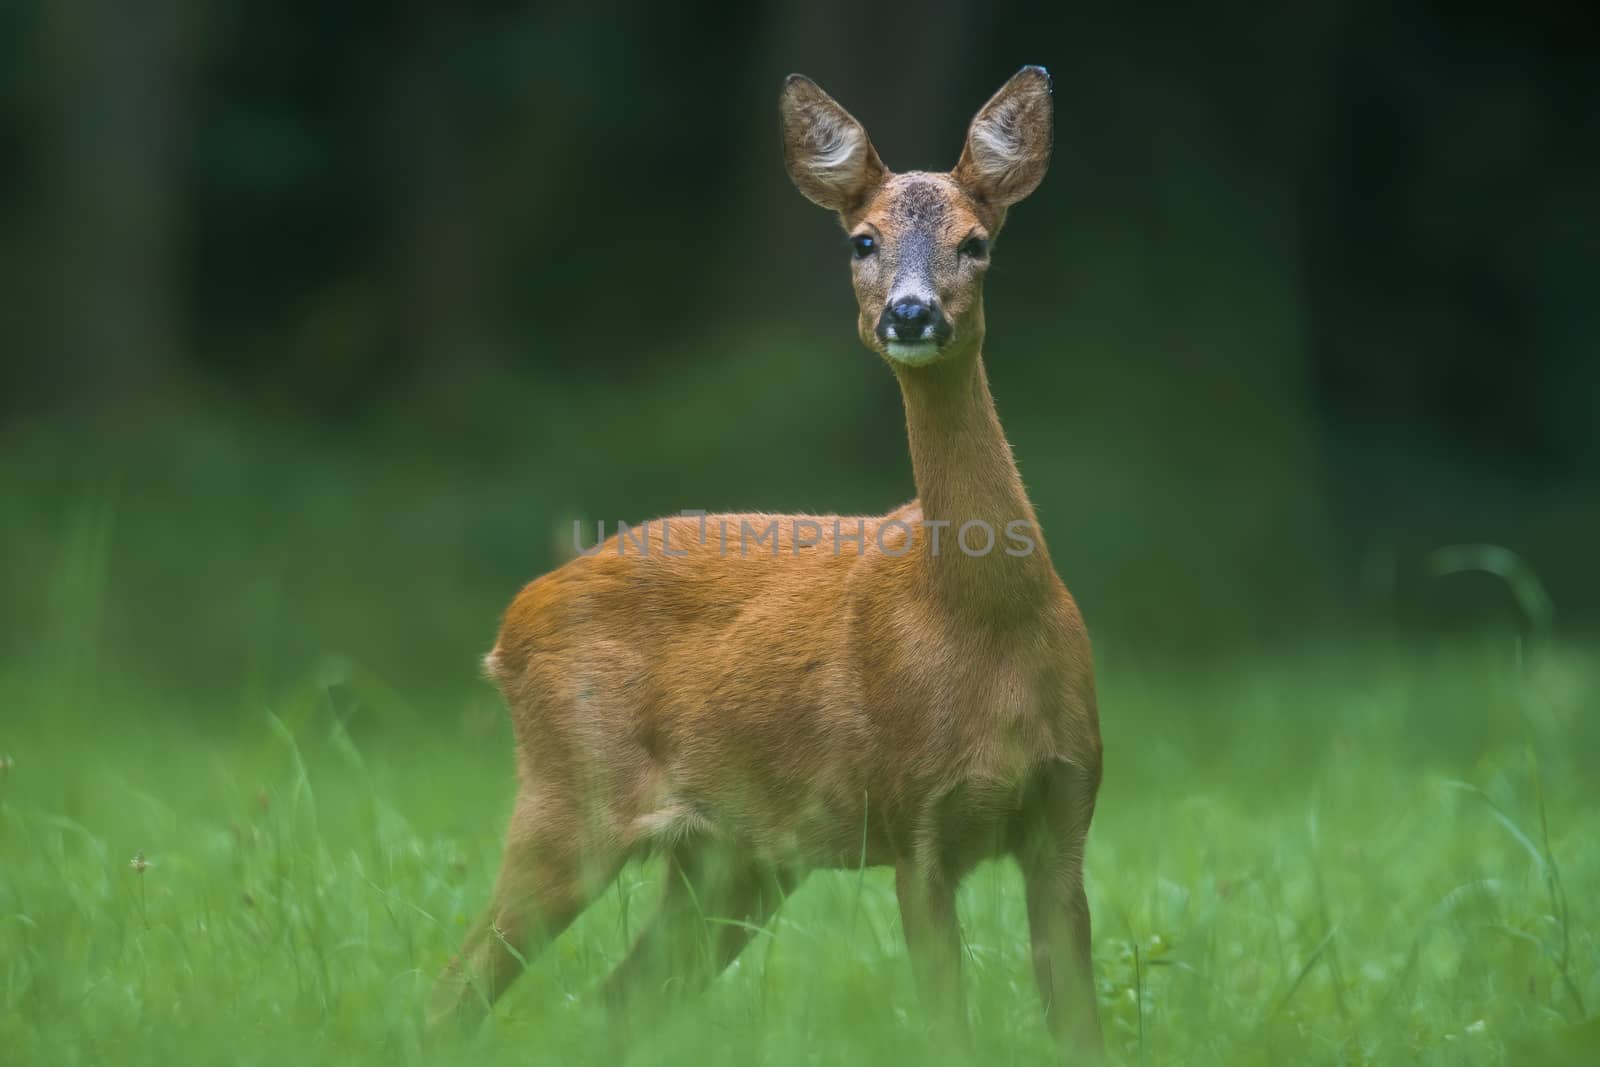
[[829, 157]]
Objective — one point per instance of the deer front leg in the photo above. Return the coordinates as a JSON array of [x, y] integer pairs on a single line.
[[1058, 910], [933, 941]]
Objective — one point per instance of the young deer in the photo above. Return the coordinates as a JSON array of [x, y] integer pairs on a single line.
[[851, 691]]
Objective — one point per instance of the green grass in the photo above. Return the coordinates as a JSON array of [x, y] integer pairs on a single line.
[[247, 653], [1357, 854]]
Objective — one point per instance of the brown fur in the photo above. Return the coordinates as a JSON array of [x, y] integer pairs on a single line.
[[795, 705]]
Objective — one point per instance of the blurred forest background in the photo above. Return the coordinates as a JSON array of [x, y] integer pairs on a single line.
[[321, 323]]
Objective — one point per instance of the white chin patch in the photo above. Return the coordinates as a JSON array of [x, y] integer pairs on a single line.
[[913, 352]]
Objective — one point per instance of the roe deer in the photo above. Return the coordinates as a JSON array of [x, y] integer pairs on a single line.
[[862, 692]]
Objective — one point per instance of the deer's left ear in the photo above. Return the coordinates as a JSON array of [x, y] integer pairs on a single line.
[[1008, 145]]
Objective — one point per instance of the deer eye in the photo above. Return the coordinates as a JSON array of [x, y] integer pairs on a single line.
[[974, 248], [862, 245]]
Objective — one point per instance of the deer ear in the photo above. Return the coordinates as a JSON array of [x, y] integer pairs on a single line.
[[829, 157], [1008, 144]]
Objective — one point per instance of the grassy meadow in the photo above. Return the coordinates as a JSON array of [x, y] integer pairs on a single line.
[[223, 841]]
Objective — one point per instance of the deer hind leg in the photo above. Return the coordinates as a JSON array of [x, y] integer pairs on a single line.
[[552, 869], [927, 897], [712, 904]]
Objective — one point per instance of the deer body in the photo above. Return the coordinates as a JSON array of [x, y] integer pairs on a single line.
[[868, 690], [802, 708]]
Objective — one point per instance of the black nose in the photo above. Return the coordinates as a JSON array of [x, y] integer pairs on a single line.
[[908, 319]]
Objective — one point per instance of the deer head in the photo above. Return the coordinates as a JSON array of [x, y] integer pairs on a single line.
[[919, 241]]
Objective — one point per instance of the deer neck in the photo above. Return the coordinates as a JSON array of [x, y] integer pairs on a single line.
[[966, 477]]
